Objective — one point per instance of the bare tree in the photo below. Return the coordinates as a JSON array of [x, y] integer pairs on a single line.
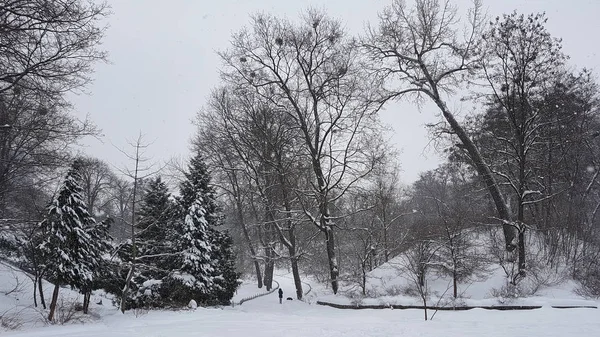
[[309, 71], [421, 53], [120, 205], [96, 179], [264, 158], [49, 46], [232, 176], [417, 264], [450, 204], [139, 172], [388, 212], [34, 142], [46, 49]]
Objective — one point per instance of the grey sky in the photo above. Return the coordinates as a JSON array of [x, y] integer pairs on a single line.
[[164, 65]]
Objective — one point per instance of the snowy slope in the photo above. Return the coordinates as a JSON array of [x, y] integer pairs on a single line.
[[388, 284], [17, 308]]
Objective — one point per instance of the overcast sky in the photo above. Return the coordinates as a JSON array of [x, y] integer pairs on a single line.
[[163, 65]]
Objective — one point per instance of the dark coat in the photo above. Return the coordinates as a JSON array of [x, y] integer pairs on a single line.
[[280, 293]]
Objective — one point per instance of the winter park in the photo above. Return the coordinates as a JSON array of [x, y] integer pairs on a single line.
[[307, 168]]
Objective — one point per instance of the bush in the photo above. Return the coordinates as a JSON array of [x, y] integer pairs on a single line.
[[588, 278], [10, 322], [69, 311]]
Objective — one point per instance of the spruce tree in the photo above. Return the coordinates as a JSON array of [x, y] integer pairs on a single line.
[[197, 183], [155, 243], [182, 254], [66, 246], [155, 212], [196, 247], [225, 278], [208, 251], [101, 246]]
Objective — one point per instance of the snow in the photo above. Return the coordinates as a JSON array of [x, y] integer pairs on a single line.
[[151, 283], [16, 299], [265, 317]]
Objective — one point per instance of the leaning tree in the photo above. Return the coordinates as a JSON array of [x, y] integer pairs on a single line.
[[424, 53]]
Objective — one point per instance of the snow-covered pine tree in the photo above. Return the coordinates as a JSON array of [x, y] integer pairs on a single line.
[[225, 276], [202, 215], [101, 244], [195, 245], [155, 243], [66, 246], [154, 225], [197, 183]]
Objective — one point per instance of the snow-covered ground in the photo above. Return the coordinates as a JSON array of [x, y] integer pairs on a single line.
[[265, 317]]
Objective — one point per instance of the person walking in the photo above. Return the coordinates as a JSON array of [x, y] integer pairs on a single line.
[[280, 295]]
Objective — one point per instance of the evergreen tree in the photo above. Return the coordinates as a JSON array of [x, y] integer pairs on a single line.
[[155, 243], [66, 246], [101, 244], [182, 256], [207, 252], [155, 212], [155, 225], [225, 276], [195, 245], [197, 183]]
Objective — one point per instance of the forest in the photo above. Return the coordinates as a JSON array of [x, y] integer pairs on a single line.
[[292, 169]]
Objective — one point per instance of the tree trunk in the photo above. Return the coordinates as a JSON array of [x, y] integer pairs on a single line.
[[425, 304], [386, 251], [364, 280], [522, 265], [333, 267], [324, 224], [41, 291], [291, 243], [296, 274], [294, 263], [53, 302], [454, 284], [86, 301], [253, 254], [269, 266], [249, 242], [258, 274], [521, 210], [125, 292], [35, 291]]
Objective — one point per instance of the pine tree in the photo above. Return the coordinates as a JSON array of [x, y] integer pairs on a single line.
[[155, 243], [197, 183], [225, 276], [66, 246], [182, 256], [207, 250], [155, 211], [101, 244], [196, 246]]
